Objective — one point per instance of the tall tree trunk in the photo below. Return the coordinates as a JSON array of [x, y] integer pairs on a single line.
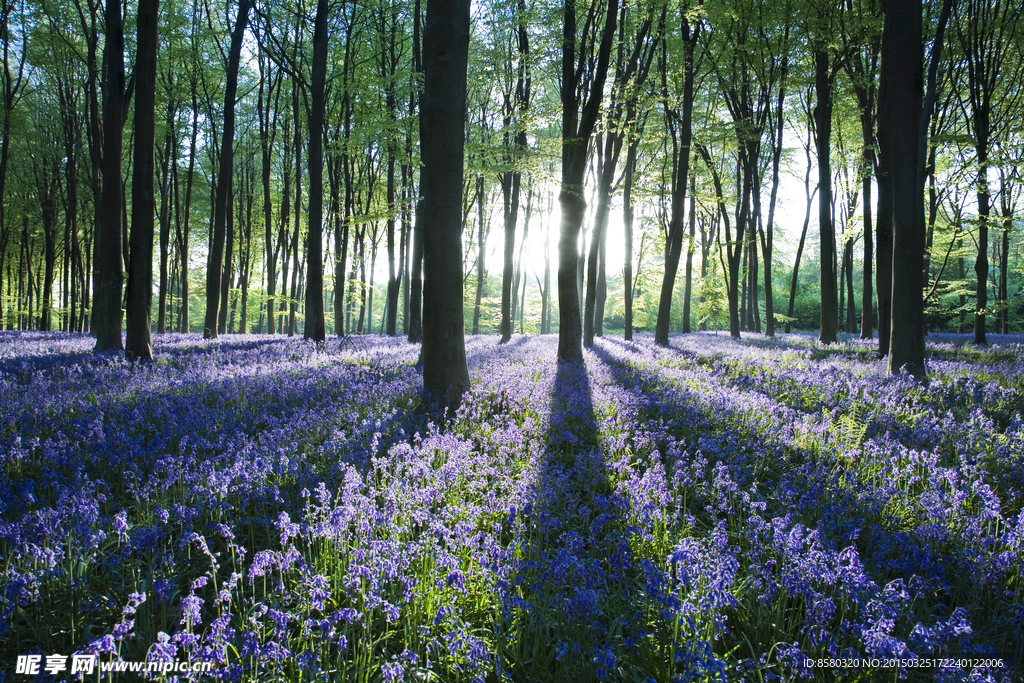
[[510, 186], [1004, 252], [733, 245], [680, 178], [186, 227], [170, 140], [138, 343], [823, 126], [12, 82], [752, 230], [688, 288], [47, 184], [606, 173], [293, 299], [316, 327], [545, 303], [215, 271], [867, 301], [443, 112], [108, 276], [229, 253], [886, 200], [902, 57], [516, 105], [72, 139], [480, 249], [627, 222], [768, 235], [578, 121], [416, 278], [962, 300], [389, 63]]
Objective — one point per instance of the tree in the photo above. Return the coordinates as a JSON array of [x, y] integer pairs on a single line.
[[108, 275], [900, 107], [824, 80], [315, 327], [681, 132], [13, 82], [443, 116], [988, 33], [217, 268], [416, 239], [634, 57], [582, 89], [862, 44], [515, 103], [138, 344]]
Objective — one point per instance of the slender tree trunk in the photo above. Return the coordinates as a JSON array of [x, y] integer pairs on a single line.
[[108, 276], [416, 278], [165, 213], [733, 246], [577, 127], [294, 247], [510, 186], [186, 227], [215, 274], [688, 290], [627, 222], [606, 174], [768, 235], [1004, 261], [362, 280], [886, 200], [480, 249], [867, 301], [680, 179], [962, 300], [752, 230], [229, 253], [267, 115], [316, 327], [823, 126], [545, 303], [138, 343]]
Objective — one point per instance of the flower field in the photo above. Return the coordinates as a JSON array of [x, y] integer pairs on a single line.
[[717, 510]]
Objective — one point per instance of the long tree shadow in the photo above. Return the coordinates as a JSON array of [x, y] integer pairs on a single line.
[[569, 603]]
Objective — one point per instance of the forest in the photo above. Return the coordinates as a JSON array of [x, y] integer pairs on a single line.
[[512, 340], [703, 114]]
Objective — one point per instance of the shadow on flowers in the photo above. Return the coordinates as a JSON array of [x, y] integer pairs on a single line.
[[562, 604]]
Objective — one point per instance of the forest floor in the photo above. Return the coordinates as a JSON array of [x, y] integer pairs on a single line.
[[763, 509]]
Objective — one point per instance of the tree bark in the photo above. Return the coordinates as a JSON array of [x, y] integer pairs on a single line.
[[316, 327], [170, 141], [902, 63], [883, 226], [108, 276], [680, 177], [138, 343], [577, 127], [416, 277], [627, 222], [215, 270], [443, 112], [823, 126], [481, 240]]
